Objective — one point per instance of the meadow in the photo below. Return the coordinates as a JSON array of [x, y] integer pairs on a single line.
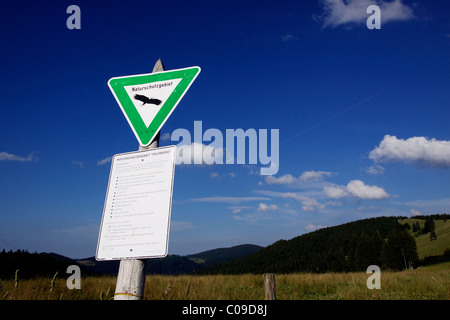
[[425, 283], [425, 247]]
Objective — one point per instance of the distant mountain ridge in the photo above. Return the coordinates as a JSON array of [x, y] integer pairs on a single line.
[[169, 265], [221, 255], [346, 247], [175, 264], [47, 264], [29, 265]]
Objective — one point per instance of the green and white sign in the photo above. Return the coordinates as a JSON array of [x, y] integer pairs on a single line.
[[147, 100]]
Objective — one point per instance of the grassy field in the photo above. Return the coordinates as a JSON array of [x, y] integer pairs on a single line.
[[425, 247], [431, 282]]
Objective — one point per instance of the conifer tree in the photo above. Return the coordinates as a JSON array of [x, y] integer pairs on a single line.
[[433, 235], [399, 251]]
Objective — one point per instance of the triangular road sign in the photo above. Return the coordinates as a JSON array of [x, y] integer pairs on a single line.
[[147, 100]]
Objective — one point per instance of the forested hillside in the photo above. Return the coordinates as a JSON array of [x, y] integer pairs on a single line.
[[353, 246], [389, 242], [220, 255], [29, 265]]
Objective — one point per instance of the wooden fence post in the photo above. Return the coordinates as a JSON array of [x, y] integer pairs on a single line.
[[131, 277], [269, 286]]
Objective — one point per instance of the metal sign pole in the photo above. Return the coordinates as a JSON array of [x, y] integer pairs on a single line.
[[131, 277]]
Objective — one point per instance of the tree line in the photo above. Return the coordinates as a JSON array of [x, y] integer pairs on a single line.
[[353, 246], [30, 265], [427, 228]]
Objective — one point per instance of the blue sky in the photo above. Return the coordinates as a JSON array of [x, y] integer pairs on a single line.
[[362, 115]]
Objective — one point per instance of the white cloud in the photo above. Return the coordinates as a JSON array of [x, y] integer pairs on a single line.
[[305, 176], [228, 199], [308, 204], [375, 169], [312, 227], [395, 11], [341, 12], [252, 170], [104, 161], [198, 153], [239, 209], [288, 37], [421, 150], [415, 212], [285, 179], [429, 206], [266, 208], [292, 195], [5, 156], [253, 217], [314, 175], [165, 137], [359, 189], [333, 203], [335, 192], [215, 175], [263, 212], [78, 163], [356, 188]]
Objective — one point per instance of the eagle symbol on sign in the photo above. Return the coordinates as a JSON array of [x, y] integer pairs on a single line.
[[145, 99]]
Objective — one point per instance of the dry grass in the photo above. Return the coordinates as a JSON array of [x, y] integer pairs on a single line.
[[422, 284]]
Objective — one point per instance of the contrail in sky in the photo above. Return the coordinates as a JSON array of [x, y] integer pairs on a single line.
[[332, 117], [7, 243]]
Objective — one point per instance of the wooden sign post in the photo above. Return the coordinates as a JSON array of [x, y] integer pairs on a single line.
[[131, 277], [135, 223], [269, 286]]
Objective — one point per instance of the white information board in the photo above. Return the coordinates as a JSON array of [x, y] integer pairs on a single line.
[[136, 215]]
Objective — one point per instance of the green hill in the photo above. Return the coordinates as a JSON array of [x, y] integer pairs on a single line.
[[390, 242], [220, 255], [353, 246], [327, 249], [425, 246]]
